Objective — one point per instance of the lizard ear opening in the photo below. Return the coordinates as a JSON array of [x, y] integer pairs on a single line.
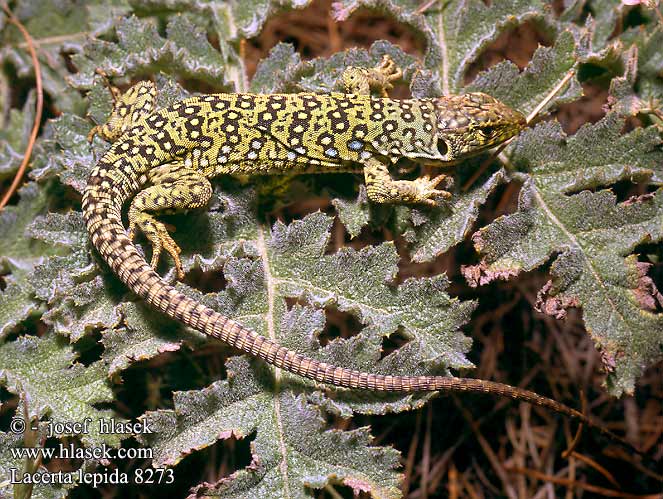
[[442, 147]]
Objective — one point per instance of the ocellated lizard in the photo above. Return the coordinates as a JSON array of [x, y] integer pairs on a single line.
[[177, 150]]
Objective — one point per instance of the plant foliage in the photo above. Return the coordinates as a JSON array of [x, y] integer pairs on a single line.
[[282, 278]]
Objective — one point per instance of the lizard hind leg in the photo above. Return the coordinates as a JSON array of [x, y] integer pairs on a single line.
[[128, 108], [174, 188]]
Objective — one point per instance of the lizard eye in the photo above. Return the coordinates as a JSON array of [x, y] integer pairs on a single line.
[[488, 130], [442, 147]]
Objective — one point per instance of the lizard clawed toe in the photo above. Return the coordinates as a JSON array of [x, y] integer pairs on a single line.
[[388, 72], [157, 233], [426, 191]]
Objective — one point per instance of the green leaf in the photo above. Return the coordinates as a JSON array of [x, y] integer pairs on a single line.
[[354, 215], [14, 137], [251, 15], [292, 264], [74, 159], [52, 24], [608, 15], [292, 452], [592, 233], [525, 90], [57, 386], [19, 254], [446, 226], [359, 282], [650, 63], [141, 335], [141, 49]]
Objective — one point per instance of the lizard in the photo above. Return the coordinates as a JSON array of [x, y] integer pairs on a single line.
[[163, 160]]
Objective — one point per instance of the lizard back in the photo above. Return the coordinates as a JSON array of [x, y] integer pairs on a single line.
[[258, 133]]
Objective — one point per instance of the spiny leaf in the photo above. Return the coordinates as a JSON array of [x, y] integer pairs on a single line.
[[292, 264], [232, 19], [19, 254], [140, 336], [67, 22], [592, 232], [650, 63], [354, 215], [446, 226], [358, 282], [78, 301], [250, 16], [57, 386], [284, 71], [14, 137], [72, 164], [608, 13], [527, 89], [291, 452], [140, 48]]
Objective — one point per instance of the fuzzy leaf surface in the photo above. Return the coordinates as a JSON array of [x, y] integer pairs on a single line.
[[57, 386], [590, 235]]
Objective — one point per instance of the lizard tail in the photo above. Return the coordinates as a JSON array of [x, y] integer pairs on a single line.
[[118, 177]]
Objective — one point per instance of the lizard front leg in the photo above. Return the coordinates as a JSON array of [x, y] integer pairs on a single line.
[[381, 188], [175, 188], [361, 80]]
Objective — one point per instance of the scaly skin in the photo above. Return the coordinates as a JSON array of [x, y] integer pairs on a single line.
[[179, 148]]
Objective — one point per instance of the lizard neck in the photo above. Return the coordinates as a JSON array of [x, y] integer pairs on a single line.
[[403, 128]]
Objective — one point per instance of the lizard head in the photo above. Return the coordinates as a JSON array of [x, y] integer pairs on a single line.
[[471, 123]]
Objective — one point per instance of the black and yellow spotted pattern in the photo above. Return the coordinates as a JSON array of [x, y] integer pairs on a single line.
[[163, 160]]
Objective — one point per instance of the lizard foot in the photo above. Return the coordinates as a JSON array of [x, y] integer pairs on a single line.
[[389, 72], [426, 190], [361, 80], [157, 233]]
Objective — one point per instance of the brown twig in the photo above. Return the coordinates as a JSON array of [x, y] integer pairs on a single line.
[[38, 111], [586, 486], [494, 460], [593, 464], [335, 40], [426, 457], [484, 166], [578, 434], [425, 6], [411, 455]]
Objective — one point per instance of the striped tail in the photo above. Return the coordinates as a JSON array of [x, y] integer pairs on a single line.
[[110, 186]]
